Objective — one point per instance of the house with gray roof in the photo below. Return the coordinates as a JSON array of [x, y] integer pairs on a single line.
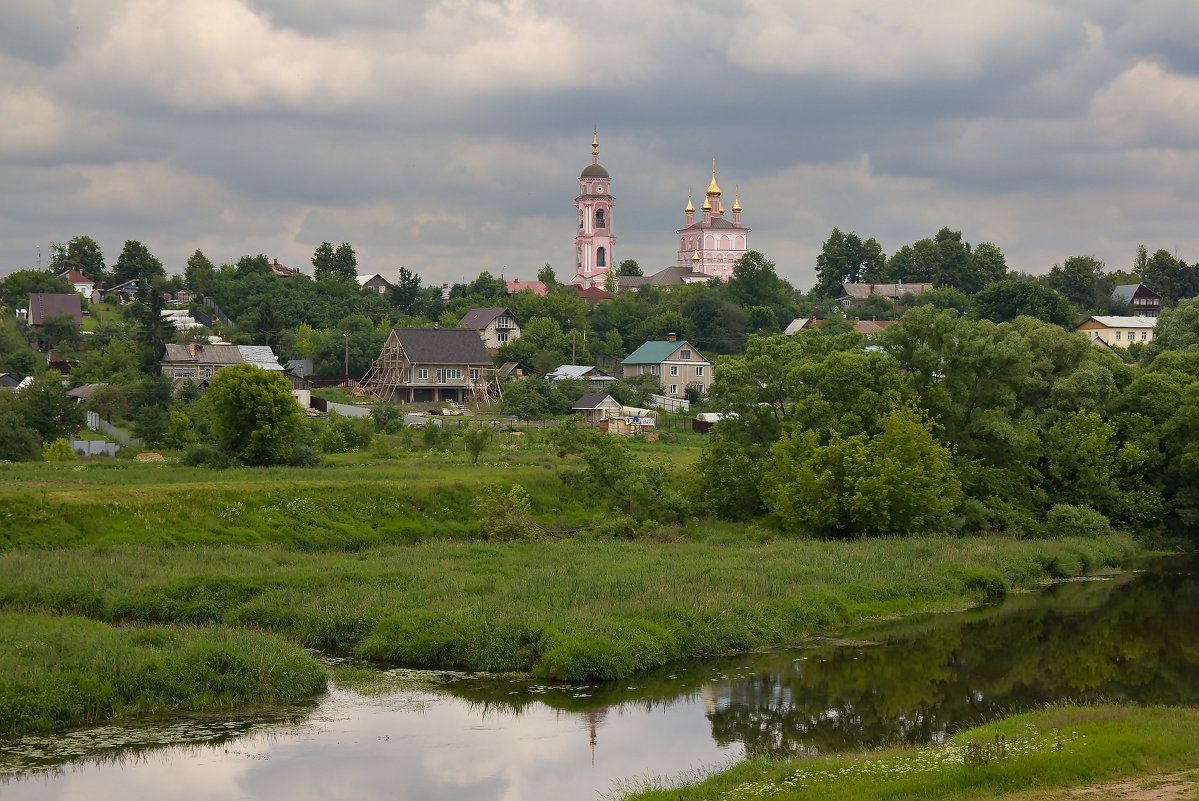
[[431, 365], [596, 407], [1144, 301], [852, 294], [676, 363], [581, 372], [495, 325]]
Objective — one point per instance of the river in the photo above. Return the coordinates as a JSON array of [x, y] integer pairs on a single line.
[[411, 735]]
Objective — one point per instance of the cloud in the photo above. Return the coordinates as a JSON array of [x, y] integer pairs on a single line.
[[938, 41], [1149, 107]]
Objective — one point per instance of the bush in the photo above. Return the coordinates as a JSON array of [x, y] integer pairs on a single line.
[[202, 456], [58, 451], [305, 456], [330, 440], [1065, 520]]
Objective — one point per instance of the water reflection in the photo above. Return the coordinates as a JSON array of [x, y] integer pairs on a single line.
[[450, 736]]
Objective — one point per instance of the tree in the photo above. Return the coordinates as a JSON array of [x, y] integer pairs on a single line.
[[322, 260], [200, 273], [915, 263], [953, 262], [1010, 298], [405, 292], [153, 330], [844, 258], [898, 483], [547, 276], [47, 410], [345, 262], [476, 440], [81, 254], [355, 338], [136, 261], [16, 287], [987, 265], [1177, 329], [755, 282], [629, 267], [18, 442], [108, 401], [1077, 280], [59, 329], [254, 415]]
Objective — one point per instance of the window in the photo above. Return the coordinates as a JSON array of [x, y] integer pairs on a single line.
[[183, 372], [685, 354], [1143, 333], [699, 370], [474, 374], [1117, 336], [653, 369], [601, 257], [674, 369], [502, 336], [599, 218], [208, 371], [674, 389], [445, 374], [422, 373]]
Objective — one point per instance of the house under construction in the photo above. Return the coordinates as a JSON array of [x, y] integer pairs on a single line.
[[432, 365]]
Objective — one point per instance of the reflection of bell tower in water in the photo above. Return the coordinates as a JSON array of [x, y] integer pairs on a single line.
[[594, 240], [593, 719]]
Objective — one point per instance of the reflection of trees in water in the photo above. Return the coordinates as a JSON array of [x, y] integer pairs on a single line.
[[1139, 644]]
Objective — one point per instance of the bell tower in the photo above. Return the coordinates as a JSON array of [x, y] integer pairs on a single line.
[[595, 241]]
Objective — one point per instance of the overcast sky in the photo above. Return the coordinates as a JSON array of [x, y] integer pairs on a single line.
[[447, 135]]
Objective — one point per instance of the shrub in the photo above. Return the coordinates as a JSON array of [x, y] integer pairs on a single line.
[[58, 451], [305, 456], [331, 440], [1065, 520], [202, 456]]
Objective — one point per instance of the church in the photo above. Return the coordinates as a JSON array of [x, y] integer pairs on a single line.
[[708, 246]]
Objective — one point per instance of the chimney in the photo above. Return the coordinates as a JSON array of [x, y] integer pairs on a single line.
[[673, 337]]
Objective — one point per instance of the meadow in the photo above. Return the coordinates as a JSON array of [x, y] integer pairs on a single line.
[[387, 560], [1056, 753]]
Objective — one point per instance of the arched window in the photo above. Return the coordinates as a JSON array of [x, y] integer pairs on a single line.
[[599, 218], [601, 257], [580, 219]]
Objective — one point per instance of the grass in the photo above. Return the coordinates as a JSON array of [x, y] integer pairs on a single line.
[[1044, 755], [383, 559], [572, 610], [58, 672]]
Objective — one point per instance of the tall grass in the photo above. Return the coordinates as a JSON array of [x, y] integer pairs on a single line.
[[57, 672], [565, 610], [1050, 751]]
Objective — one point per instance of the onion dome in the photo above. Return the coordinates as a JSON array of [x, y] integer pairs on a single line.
[[689, 209], [737, 203], [713, 187], [695, 255]]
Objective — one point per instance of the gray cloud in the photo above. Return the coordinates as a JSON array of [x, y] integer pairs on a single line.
[[447, 136]]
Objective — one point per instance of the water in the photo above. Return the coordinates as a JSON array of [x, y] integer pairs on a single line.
[[410, 735]]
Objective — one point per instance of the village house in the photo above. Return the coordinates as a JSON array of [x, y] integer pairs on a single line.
[[581, 372], [1118, 332], [201, 362], [852, 294], [43, 305], [596, 407], [428, 365], [122, 293], [375, 283], [82, 284], [1144, 301], [674, 362], [496, 326]]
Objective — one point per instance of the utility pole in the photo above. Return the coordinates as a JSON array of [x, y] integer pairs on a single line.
[[346, 336]]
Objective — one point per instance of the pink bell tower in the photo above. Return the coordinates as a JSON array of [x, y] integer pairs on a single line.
[[594, 241]]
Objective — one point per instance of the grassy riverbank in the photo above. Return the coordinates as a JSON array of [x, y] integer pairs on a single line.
[[1058, 753], [384, 560], [57, 672]]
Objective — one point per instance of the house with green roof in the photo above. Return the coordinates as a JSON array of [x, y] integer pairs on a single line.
[[674, 362]]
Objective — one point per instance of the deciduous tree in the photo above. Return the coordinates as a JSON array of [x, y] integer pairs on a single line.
[[254, 415]]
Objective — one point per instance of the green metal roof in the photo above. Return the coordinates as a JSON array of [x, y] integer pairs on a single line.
[[654, 352]]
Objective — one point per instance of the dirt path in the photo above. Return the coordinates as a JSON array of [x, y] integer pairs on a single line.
[[1166, 787]]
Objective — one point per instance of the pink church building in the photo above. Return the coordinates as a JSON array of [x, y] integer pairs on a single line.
[[712, 244], [595, 242]]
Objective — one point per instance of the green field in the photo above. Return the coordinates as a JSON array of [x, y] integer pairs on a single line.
[[1145, 754], [385, 560]]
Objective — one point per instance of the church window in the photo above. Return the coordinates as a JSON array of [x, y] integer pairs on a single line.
[[580, 219], [601, 257], [599, 219]]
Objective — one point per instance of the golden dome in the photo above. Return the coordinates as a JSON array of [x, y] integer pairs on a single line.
[[689, 208], [695, 255], [713, 187], [707, 205], [737, 203]]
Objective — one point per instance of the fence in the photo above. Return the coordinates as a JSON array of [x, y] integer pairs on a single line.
[[216, 311], [94, 447], [670, 404], [96, 423], [344, 409]]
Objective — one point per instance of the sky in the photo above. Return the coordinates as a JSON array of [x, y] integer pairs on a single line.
[[447, 136]]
